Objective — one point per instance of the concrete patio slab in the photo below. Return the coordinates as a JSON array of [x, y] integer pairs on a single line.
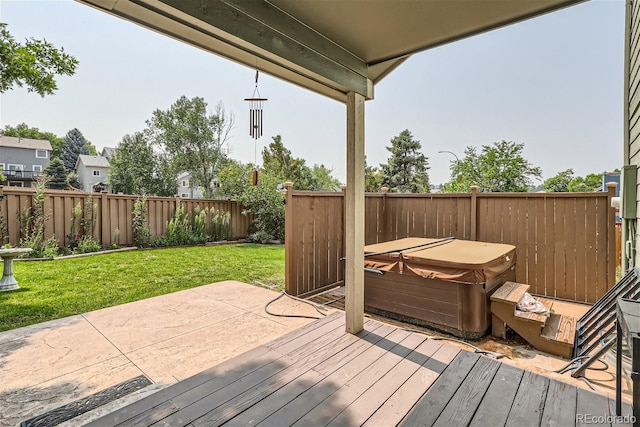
[[166, 338]]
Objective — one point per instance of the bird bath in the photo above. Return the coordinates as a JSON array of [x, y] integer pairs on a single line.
[[9, 282]]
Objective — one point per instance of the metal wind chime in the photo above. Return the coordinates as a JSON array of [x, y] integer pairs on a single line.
[[255, 122]]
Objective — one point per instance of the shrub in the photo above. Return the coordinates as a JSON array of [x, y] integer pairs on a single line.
[[51, 247], [32, 221], [141, 231], [220, 226], [88, 244], [267, 204]]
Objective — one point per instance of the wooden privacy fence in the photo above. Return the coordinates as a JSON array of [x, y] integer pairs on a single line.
[[113, 211], [566, 246]]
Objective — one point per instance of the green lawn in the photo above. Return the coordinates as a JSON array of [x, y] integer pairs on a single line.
[[55, 289]]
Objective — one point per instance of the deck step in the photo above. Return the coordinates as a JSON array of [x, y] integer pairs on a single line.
[[510, 292], [536, 317], [560, 328]]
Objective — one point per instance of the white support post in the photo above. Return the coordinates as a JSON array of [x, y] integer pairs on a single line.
[[354, 215]]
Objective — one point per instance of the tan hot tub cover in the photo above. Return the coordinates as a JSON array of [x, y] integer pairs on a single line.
[[453, 260]]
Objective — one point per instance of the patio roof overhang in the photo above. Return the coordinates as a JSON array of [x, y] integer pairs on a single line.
[[337, 48], [331, 47]]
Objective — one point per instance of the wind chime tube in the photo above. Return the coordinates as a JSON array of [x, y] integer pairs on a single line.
[[260, 121]]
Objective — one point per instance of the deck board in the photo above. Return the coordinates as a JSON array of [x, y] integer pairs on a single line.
[[368, 402], [359, 384], [306, 402], [320, 375], [431, 405], [528, 404], [462, 406], [496, 404], [402, 400]]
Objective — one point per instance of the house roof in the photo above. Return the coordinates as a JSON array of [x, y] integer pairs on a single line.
[[92, 161], [107, 152], [32, 144], [331, 47]]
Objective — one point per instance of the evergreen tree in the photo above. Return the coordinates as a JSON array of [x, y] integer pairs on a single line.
[[74, 145], [57, 175], [406, 168]]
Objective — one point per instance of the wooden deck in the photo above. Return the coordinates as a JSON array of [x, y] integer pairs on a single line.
[[384, 376]]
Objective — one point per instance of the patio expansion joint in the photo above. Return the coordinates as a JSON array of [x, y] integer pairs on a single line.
[[115, 346]]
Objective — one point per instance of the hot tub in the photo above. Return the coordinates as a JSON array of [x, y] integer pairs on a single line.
[[443, 284]]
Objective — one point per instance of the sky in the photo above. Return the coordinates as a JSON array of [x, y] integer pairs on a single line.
[[553, 83]]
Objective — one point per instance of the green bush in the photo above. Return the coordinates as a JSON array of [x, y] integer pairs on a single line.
[[267, 204], [88, 244], [220, 228], [141, 231], [51, 247]]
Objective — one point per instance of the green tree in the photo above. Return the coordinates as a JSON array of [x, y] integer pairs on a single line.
[[267, 204], [24, 131], [372, 178], [591, 182], [560, 182], [406, 168], [74, 145], [278, 162], [132, 166], [234, 178], [33, 64], [56, 175], [321, 179], [193, 139], [497, 168], [165, 177]]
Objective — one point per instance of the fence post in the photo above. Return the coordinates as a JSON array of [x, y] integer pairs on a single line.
[[383, 223], [343, 250], [474, 212], [105, 230], [289, 283], [611, 236]]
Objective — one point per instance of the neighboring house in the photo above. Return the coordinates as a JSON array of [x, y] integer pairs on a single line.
[[186, 189], [23, 160], [108, 152], [93, 172]]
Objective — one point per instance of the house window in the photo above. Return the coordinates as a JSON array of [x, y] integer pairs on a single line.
[[41, 154], [185, 183], [184, 195], [15, 183], [15, 167], [37, 168], [96, 172], [2, 166]]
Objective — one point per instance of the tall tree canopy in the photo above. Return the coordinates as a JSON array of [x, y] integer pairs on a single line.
[[591, 182], [132, 166], [372, 178], [24, 131], [74, 145], [33, 64], [560, 182], [406, 168], [193, 140], [279, 163], [497, 168]]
